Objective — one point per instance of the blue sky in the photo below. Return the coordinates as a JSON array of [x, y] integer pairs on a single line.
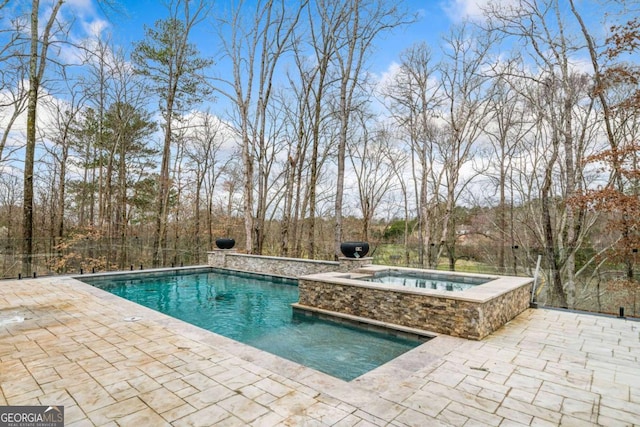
[[436, 17], [127, 26]]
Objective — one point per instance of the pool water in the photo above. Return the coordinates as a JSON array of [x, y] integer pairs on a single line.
[[426, 281], [256, 310]]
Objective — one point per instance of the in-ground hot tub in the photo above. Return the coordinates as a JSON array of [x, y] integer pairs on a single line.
[[473, 312], [427, 279]]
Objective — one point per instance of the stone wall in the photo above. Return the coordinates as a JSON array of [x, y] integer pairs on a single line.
[[452, 316], [503, 308], [333, 286], [278, 266]]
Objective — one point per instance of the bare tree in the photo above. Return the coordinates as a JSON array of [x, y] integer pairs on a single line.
[[413, 99], [618, 120], [40, 40], [10, 204], [370, 156], [13, 74], [298, 141], [398, 160], [509, 124], [255, 50], [560, 99], [203, 149], [362, 22], [13, 102], [99, 77], [63, 128], [315, 85], [464, 112]]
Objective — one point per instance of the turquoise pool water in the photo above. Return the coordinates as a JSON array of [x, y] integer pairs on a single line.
[[256, 310], [439, 282]]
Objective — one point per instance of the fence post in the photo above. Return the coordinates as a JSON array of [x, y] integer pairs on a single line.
[[533, 303]]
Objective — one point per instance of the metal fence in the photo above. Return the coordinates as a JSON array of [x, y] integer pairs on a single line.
[[603, 290]]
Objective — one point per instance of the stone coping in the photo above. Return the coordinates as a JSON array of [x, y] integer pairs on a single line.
[[281, 266], [232, 252], [312, 261], [136, 273], [497, 286]]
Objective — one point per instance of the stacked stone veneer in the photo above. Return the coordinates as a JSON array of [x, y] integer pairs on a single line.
[[278, 266], [326, 285], [472, 318]]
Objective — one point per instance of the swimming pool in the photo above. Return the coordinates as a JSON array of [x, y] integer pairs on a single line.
[[256, 310], [441, 282]]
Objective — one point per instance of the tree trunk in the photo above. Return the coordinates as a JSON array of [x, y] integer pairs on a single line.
[[27, 202], [559, 298], [162, 203], [37, 64], [196, 225], [62, 190], [122, 205], [502, 215], [247, 160]]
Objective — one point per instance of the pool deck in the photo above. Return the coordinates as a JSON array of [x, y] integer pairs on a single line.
[[111, 362]]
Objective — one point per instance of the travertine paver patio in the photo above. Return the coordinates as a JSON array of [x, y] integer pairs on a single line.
[[77, 347]]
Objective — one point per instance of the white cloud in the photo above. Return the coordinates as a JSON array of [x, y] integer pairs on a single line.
[[81, 8], [461, 10], [87, 22], [86, 26], [47, 107], [95, 28], [387, 76], [581, 65], [195, 122]]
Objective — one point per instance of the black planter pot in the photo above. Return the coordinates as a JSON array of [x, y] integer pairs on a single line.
[[354, 249], [224, 243]]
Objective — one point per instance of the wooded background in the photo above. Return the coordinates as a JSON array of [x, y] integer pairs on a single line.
[[515, 138]]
